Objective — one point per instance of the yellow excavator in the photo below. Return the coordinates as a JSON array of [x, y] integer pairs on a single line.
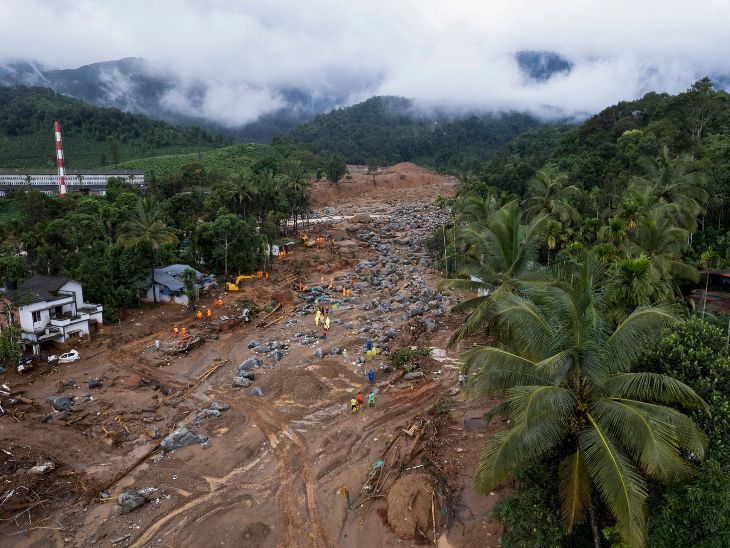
[[233, 286], [306, 241]]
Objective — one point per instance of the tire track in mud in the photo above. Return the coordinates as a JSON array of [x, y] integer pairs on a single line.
[[297, 529]]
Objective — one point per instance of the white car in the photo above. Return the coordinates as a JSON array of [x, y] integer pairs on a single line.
[[69, 357]]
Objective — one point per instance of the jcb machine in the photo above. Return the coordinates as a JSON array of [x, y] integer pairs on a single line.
[[306, 241], [234, 286]]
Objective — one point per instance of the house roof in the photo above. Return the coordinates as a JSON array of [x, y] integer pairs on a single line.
[[37, 289], [167, 276]]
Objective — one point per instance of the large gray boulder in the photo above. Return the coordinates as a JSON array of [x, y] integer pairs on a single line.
[[130, 501], [182, 437]]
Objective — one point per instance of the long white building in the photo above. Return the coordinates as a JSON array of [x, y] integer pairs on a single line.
[[83, 181]]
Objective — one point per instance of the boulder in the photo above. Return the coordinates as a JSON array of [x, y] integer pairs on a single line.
[[257, 391], [94, 383], [130, 501], [182, 437], [413, 375], [61, 403], [249, 363], [318, 353], [254, 344], [242, 382], [217, 406]]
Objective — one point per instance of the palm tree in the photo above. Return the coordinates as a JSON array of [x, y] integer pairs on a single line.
[[493, 256], [634, 282], [570, 392], [549, 194], [614, 233], [667, 184], [144, 228], [664, 243], [243, 188]]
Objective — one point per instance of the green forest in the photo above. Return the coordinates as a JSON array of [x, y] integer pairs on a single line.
[[576, 247], [387, 130], [92, 136], [218, 221]]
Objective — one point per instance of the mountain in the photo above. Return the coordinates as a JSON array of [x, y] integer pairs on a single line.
[[387, 130], [136, 85], [92, 136], [541, 65]]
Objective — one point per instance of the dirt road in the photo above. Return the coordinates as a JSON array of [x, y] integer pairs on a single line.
[[276, 465]]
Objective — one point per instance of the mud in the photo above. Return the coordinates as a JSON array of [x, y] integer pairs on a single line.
[[273, 470]]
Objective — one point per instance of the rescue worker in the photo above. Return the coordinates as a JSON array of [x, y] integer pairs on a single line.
[[353, 405], [184, 331], [462, 379], [200, 314], [176, 331], [371, 376], [371, 399], [317, 316], [209, 313], [157, 344], [360, 400]]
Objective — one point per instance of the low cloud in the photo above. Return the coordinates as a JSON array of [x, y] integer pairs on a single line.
[[231, 62]]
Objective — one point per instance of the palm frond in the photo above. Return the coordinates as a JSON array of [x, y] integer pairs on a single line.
[[496, 370], [574, 490], [690, 438], [530, 404], [652, 387], [636, 333], [652, 442], [506, 451], [618, 481]]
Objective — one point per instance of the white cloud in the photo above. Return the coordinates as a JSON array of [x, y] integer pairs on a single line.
[[447, 53]]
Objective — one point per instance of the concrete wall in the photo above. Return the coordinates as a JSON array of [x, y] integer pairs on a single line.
[[164, 298], [25, 313]]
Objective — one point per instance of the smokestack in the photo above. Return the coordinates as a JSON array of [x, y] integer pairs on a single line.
[[59, 159]]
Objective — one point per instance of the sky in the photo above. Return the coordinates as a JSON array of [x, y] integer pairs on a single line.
[[446, 54]]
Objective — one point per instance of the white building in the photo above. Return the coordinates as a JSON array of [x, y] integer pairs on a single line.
[[53, 309], [83, 181]]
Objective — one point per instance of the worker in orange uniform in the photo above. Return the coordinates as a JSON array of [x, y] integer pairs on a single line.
[[184, 331], [200, 314], [209, 313]]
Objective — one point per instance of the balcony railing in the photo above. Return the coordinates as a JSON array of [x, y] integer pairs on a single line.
[[62, 321]]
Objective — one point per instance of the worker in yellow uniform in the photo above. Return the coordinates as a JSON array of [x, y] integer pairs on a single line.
[[353, 405], [317, 317]]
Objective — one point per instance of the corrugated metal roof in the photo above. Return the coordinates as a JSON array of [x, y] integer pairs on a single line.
[[167, 276]]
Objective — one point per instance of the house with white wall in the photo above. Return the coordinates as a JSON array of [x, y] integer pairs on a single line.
[[52, 309], [168, 286]]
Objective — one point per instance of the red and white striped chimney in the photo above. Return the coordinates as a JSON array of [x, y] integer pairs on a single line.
[[59, 159]]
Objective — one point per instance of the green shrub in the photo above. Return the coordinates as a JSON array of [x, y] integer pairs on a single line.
[[409, 358]]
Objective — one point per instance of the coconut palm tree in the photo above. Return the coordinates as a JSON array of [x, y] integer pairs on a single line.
[[669, 185], [549, 194], [493, 256], [614, 233], [634, 282], [144, 228], [243, 189], [664, 243], [569, 390]]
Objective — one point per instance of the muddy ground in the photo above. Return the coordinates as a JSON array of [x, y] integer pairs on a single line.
[[285, 449]]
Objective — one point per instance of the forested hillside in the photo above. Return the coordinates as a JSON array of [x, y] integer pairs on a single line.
[[604, 151], [92, 136], [587, 257], [387, 130]]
